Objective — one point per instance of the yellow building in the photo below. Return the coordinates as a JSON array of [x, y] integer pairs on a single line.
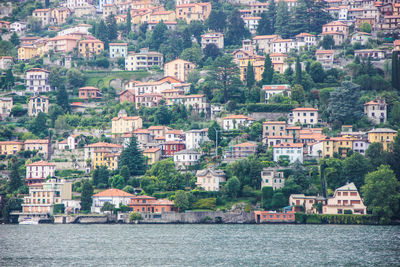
[[125, 124], [339, 145], [88, 48], [385, 136], [193, 11], [152, 154], [178, 69], [26, 52], [258, 66], [59, 15], [111, 160], [10, 147], [103, 157]]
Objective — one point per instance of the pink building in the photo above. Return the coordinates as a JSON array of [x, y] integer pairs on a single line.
[[127, 96], [37, 172], [287, 216], [345, 198]]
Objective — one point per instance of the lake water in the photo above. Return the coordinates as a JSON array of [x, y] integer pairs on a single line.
[[199, 245]]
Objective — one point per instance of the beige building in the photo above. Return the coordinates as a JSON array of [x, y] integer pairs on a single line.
[[59, 15], [143, 60], [265, 43], [118, 50], [376, 110], [193, 11], [232, 122], [38, 104], [216, 38], [109, 9], [125, 124], [385, 136], [345, 198], [308, 202], [43, 15], [303, 116], [6, 104], [152, 155], [37, 80], [90, 47], [210, 179], [10, 147], [111, 148], [42, 146], [325, 57], [179, 69], [273, 128], [43, 196], [272, 177]]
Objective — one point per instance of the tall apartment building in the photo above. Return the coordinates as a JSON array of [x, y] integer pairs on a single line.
[[143, 60]]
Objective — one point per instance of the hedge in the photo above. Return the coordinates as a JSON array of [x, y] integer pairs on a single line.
[[205, 203], [335, 219], [269, 107]]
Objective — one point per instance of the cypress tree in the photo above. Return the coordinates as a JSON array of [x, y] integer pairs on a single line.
[[15, 178], [128, 21], [268, 71], [271, 14], [396, 70], [112, 29], [9, 81], [133, 158], [14, 39], [250, 79], [86, 196], [101, 31], [62, 98], [282, 24], [298, 79]]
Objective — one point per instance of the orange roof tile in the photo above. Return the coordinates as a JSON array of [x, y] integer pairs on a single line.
[[113, 192], [41, 163], [294, 145]]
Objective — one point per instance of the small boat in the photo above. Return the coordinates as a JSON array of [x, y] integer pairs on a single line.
[[28, 221]]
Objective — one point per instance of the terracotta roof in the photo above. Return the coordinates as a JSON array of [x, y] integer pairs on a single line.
[[260, 37], [304, 109], [324, 52], [276, 87], [11, 143], [274, 122], [124, 44], [41, 163], [280, 137], [38, 69], [91, 41], [152, 150], [305, 34], [143, 197], [104, 144], [156, 127], [89, 88], [113, 192], [238, 117], [141, 131], [42, 10], [294, 145], [245, 144], [127, 118], [39, 141]]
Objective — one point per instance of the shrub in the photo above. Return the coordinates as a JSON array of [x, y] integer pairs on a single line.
[[205, 203], [347, 212], [135, 216], [206, 219], [269, 107], [58, 208]]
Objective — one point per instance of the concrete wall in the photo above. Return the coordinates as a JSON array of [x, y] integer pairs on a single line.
[[84, 219], [269, 116]]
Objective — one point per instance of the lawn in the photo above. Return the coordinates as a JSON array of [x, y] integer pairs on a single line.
[[103, 78]]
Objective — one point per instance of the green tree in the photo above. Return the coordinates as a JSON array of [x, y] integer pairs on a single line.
[[328, 42], [181, 200], [248, 171], [344, 104], [135, 216], [394, 156], [366, 27], [300, 21], [298, 79], [86, 196], [394, 117], [317, 72], [267, 193], [217, 20], [75, 78], [129, 189], [223, 73], [282, 24], [124, 172], [255, 131], [112, 29], [163, 115], [212, 132], [381, 193], [318, 14], [396, 70], [264, 26], [47, 3], [236, 30], [39, 125], [278, 200], [107, 206], [192, 54], [268, 73], [15, 181], [62, 98], [132, 157], [9, 81], [212, 51], [118, 182], [56, 77], [101, 31], [298, 94], [12, 204], [232, 187], [186, 38], [375, 155], [14, 39], [158, 36], [128, 21], [271, 14], [355, 168], [250, 79]]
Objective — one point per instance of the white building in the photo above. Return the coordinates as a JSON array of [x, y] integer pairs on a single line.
[[251, 23], [265, 43], [81, 29], [271, 90], [39, 170], [185, 158], [6, 62], [210, 179], [306, 39], [283, 45], [194, 138], [232, 122], [118, 50], [360, 37], [18, 26], [376, 110], [345, 198], [113, 196], [6, 105], [370, 53], [72, 4], [37, 80], [272, 177], [292, 152], [308, 116], [143, 60], [360, 146], [325, 57], [216, 38]]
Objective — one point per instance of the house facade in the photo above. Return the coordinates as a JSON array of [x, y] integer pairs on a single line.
[[304, 116], [210, 179], [273, 177], [290, 151], [118, 50], [143, 60], [345, 198], [376, 110], [113, 196], [38, 172], [38, 104], [37, 80], [179, 69]]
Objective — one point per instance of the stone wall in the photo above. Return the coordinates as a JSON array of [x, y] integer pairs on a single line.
[[196, 217], [84, 219], [269, 116]]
